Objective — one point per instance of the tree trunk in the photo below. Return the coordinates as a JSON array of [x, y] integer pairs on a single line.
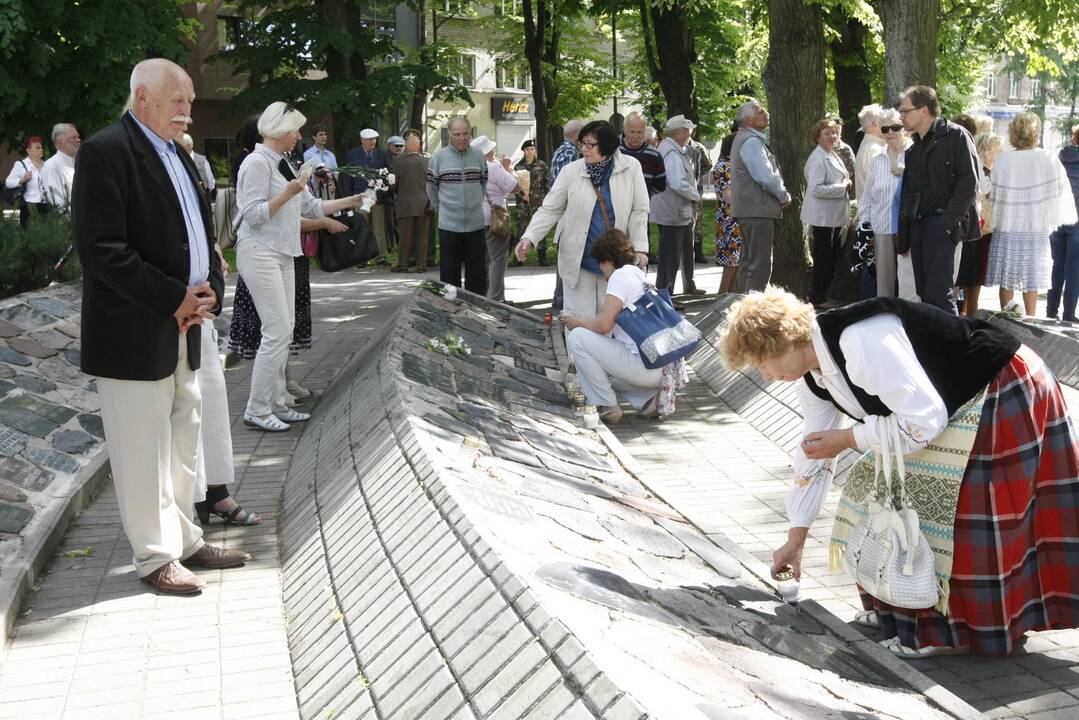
[[419, 91], [334, 14], [674, 70], [795, 50], [852, 74], [541, 45], [910, 44]]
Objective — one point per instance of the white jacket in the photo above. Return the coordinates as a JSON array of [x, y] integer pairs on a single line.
[[674, 206], [826, 203], [571, 201]]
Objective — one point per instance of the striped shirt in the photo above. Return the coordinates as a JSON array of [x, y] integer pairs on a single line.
[[457, 188], [879, 192], [564, 154], [655, 175]]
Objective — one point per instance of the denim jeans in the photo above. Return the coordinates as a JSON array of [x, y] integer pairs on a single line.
[[1065, 246]]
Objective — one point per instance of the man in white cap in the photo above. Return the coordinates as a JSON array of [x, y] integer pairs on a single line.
[[672, 209], [369, 154]]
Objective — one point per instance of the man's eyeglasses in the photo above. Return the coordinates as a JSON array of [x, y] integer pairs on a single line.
[[890, 128], [904, 111]]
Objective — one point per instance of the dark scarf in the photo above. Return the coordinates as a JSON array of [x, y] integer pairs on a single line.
[[598, 171]]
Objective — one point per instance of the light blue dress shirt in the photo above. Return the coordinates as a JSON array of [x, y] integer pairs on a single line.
[[188, 196], [326, 157], [756, 162]]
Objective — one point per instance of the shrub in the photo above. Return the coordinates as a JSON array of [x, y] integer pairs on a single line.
[[27, 258]]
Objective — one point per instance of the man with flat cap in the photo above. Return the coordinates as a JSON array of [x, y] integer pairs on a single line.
[[370, 155], [144, 236]]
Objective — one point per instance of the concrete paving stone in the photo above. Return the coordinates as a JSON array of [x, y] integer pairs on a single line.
[[624, 709], [485, 629], [1049, 700], [1064, 713], [40, 707], [416, 686], [494, 678], [334, 646]]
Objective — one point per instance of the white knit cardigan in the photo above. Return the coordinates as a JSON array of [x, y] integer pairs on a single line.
[[1030, 192]]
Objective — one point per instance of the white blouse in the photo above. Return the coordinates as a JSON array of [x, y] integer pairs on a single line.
[[35, 190], [881, 361], [259, 181]]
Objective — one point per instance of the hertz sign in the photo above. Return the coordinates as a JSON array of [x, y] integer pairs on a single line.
[[512, 108]]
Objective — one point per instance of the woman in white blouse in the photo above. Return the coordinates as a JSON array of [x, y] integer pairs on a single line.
[[826, 207], [27, 172], [878, 197], [1014, 503], [270, 200]]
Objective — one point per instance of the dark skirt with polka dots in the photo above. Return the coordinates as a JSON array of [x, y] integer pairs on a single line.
[[245, 332]]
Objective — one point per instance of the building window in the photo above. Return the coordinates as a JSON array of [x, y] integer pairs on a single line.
[[508, 7], [991, 85], [464, 70], [1035, 88], [512, 77], [1014, 86], [455, 7], [380, 16], [229, 31]]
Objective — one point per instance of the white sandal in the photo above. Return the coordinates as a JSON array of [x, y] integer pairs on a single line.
[[291, 416], [867, 618], [900, 650], [268, 423]]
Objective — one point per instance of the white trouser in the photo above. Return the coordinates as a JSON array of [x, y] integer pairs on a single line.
[[152, 434], [606, 366], [271, 278], [904, 268], [215, 434]]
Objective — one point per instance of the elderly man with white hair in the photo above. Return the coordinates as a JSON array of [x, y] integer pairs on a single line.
[[568, 151], [151, 277], [873, 144], [206, 174], [58, 172], [758, 195], [270, 200]]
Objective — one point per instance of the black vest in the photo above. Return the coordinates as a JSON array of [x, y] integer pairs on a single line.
[[960, 356]]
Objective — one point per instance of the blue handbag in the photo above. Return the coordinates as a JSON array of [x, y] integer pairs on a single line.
[[661, 333]]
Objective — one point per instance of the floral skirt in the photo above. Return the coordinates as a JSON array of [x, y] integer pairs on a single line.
[[1016, 525], [728, 241], [245, 331]]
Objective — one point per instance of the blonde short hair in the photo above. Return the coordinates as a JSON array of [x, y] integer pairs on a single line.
[[987, 144], [763, 326], [279, 119], [1024, 131]]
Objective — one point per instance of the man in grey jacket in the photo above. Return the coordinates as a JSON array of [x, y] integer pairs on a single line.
[[758, 195], [457, 190], [672, 209]]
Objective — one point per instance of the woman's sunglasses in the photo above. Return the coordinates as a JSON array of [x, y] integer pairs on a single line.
[[890, 128]]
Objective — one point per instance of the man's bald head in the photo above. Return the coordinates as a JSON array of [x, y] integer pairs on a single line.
[[633, 130], [161, 97], [187, 143]]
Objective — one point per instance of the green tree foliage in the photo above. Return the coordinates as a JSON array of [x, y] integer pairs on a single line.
[[329, 56], [65, 61]]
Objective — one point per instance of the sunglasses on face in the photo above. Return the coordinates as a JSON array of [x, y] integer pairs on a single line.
[[890, 128]]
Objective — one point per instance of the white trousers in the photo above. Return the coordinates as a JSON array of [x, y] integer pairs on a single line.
[[904, 267], [152, 434], [271, 278], [606, 366], [215, 433]]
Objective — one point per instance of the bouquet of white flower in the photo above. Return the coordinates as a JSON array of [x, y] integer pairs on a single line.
[[377, 178], [449, 344]]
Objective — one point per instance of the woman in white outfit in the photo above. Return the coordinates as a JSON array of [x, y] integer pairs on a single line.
[[270, 200], [607, 359], [876, 207]]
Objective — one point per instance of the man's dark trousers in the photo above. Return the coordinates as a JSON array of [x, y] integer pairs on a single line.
[[672, 240], [932, 253], [467, 249]]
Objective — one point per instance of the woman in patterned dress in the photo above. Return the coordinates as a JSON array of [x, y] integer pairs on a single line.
[[728, 234]]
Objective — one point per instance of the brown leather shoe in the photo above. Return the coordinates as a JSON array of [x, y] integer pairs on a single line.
[[174, 579], [215, 558]]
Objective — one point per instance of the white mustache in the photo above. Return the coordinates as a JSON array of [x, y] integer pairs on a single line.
[[182, 119]]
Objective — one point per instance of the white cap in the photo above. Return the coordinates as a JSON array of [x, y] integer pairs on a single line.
[[484, 144], [368, 134], [678, 122]]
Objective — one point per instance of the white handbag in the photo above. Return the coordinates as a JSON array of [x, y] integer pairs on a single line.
[[887, 554]]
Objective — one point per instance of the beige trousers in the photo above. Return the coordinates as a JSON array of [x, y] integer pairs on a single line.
[[152, 435]]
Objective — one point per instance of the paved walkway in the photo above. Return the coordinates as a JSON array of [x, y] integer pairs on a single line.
[[95, 644]]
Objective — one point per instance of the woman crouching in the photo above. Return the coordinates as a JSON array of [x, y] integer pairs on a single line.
[[992, 461], [607, 359]]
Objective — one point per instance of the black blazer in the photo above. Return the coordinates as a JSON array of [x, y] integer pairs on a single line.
[[132, 242]]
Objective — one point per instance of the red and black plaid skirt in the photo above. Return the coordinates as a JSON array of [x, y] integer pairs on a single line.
[[1016, 562]]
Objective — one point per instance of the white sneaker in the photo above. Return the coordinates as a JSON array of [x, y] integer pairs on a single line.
[[291, 416], [268, 423]]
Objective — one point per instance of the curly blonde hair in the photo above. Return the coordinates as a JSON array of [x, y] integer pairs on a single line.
[[764, 325], [1024, 131]]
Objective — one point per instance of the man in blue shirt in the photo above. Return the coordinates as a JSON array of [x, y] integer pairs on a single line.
[[319, 150], [567, 152]]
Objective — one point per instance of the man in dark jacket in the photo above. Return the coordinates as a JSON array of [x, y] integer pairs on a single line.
[[1065, 244], [145, 239], [370, 155], [940, 184]]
